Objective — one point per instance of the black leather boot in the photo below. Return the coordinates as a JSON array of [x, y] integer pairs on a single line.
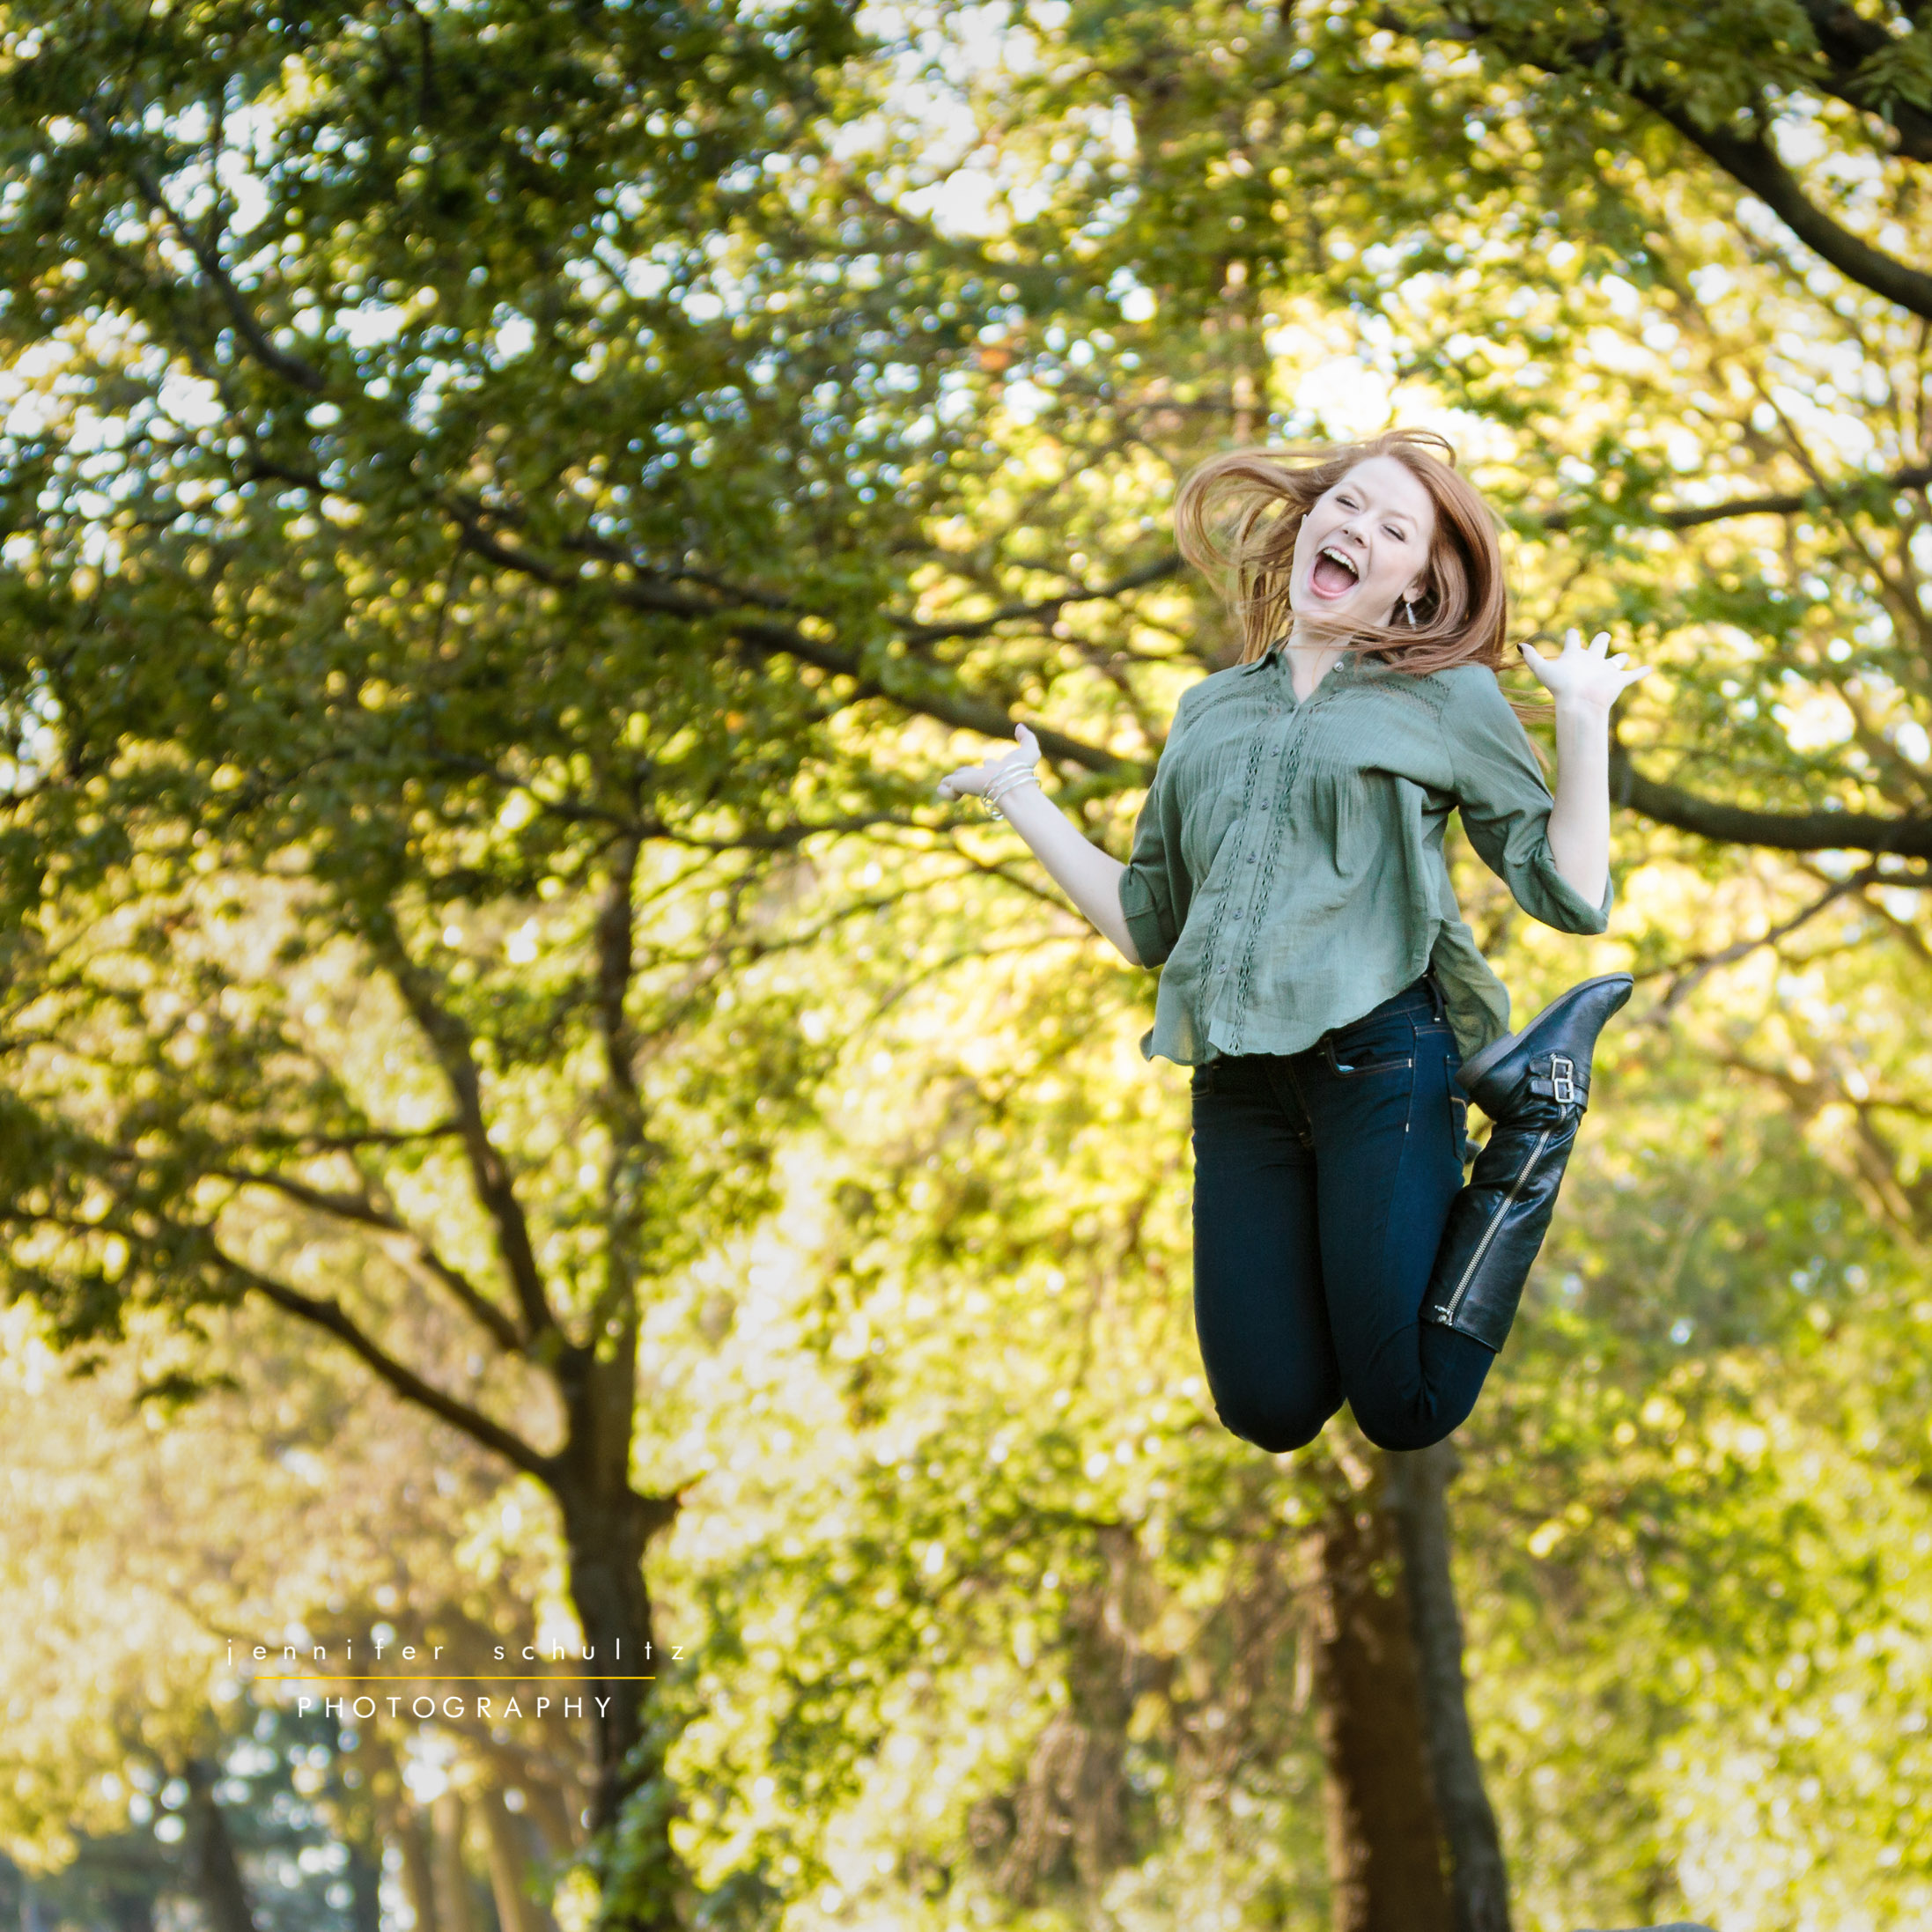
[[1534, 1085]]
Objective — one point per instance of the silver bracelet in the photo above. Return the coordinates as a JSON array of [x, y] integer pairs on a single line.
[[1010, 780]]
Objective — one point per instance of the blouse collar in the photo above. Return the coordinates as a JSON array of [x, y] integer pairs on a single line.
[[1348, 663]]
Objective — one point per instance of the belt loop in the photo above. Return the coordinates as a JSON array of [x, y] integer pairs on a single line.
[[1436, 994]]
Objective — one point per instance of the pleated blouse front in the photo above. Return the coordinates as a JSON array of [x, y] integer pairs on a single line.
[[1287, 870]]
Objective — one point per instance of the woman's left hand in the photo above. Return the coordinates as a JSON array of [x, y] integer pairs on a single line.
[[1585, 675], [970, 781]]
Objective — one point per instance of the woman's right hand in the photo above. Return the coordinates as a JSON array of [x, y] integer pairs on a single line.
[[971, 781], [1088, 876]]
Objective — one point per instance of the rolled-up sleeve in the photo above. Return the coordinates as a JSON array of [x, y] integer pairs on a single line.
[[1506, 806], [1152, 890]]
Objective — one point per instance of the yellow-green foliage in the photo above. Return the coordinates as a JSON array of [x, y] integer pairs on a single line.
[[507, 511]]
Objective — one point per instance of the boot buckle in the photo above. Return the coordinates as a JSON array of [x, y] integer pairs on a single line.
[[1562, 1081]]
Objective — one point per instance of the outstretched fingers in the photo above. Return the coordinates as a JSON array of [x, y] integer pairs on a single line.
[[1581, 672], [971, 781]]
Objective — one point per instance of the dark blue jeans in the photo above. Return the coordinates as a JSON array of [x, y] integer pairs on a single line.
[[1321, 1183]]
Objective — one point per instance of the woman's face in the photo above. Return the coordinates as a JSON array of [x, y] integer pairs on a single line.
[[1365, 545]]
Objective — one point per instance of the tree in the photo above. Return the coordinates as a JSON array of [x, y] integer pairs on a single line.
[[1490, 150], [342, 619], [291, 1503], [265, 803]]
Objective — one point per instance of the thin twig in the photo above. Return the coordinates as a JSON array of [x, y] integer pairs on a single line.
[[1692, 973]]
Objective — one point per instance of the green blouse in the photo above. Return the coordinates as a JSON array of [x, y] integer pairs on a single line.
[[1287, 865]]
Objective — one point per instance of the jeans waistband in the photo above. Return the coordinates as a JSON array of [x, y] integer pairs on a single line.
[[1420, 997], [1424, 995]]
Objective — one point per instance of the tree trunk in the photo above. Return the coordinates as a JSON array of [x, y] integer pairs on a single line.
[[613, 1604], [509, 1869], [1385, 1846], [453, 1900], [212, 1868], [366, 1891], [606, 1525], [631, 1805], [1071, 1823], [1418, 1503], [130, 1910], [413, 1837]]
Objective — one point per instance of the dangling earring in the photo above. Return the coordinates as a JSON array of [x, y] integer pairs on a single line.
[[1408, 612]]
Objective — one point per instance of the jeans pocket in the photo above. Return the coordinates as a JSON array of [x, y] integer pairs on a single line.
[[1355, 1070], [1371, 1046]]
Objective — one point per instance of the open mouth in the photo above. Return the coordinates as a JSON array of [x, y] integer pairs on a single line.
[[1335, 574]]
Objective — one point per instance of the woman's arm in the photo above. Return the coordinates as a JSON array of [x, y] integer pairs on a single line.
[[1585, 682], [1084, 872]]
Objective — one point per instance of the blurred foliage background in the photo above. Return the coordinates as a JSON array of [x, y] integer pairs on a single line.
[[522, 1119]]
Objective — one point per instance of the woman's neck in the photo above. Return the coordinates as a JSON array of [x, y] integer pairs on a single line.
[[1310, 658]]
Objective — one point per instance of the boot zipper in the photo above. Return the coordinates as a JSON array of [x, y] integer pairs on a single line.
[[1454, 1302]]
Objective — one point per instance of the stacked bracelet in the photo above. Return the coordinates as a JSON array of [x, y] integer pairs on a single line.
[[1009, 780]]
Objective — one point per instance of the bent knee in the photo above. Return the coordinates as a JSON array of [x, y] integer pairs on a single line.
[[1275, 1429], [1404, 1429]]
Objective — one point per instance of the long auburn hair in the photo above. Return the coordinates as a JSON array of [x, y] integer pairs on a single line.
[[1237, 517]]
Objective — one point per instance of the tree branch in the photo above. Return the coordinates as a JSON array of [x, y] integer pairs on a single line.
[[1847, 40], [1157, 571], [1782, 831], [291, 368], [1751, 161], [1754, 164], [408, 1248], [906, 681], [449, 1042], [331, 1318], [1792, 504], [1873, 1159], [779, 839], [1689, 974], [349, 1143], [929, 690]]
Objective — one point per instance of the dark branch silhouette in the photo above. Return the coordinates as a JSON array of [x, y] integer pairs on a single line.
[[449, 1040], [292, 368], [1755, 165], [332, 1318], [419, 1255], [1847, 40], [1745, 825]]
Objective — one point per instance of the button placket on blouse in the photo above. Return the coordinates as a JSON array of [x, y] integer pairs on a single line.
[[1289, 725], [1284, 723], [1279, 726]]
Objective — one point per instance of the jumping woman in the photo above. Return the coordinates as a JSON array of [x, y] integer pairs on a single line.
[[1287, 873]]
